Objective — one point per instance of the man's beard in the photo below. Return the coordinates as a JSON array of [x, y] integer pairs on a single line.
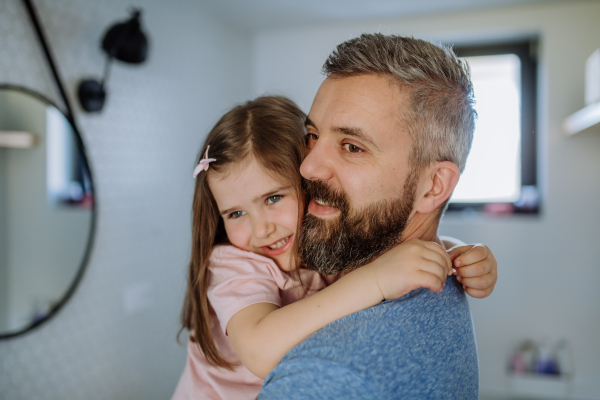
[[355, 236]]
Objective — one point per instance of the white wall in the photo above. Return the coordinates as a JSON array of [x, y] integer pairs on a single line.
[[3, 239], [142, 149], [548, 265]]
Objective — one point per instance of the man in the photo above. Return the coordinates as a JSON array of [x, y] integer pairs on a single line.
[[389, 132]]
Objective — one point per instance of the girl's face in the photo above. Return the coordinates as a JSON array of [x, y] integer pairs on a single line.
[[260, 213]]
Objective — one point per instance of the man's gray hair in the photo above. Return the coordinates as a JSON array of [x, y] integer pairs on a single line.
[[442, 119]]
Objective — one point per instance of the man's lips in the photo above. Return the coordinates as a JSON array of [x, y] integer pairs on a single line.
[[322, 211], [275, 252]]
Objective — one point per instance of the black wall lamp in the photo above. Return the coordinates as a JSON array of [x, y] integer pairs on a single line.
[[124, 41]]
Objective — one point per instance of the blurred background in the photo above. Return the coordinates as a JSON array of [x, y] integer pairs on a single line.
[[115, 337]]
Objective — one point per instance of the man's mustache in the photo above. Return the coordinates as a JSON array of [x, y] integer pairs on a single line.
[[324, 192]]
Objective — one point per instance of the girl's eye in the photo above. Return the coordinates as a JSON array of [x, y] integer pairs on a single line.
[[352, 148], [274, 199], [236, 214]]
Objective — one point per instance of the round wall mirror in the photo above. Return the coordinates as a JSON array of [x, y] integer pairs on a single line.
[[47, 210]]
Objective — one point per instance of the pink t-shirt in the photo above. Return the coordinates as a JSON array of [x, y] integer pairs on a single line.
[[238, 279]]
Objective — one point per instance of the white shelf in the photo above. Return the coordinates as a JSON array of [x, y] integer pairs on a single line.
[[17, 139], [532, 386], [582, 120]]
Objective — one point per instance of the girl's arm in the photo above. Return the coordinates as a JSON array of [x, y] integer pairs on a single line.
[[262, 333]]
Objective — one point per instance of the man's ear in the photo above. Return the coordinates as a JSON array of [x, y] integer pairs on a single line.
[[440, 180]]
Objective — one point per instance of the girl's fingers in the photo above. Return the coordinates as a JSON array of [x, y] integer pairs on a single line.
[[430, 251], [459, 250], [430, 281], [478, 269], [478, 293], [434, 247], [434, 269], [420, 279], [438, 258], [481, 282], [477, 253], [435, 252]]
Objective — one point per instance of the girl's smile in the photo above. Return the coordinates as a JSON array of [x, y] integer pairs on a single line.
[[279, 247]]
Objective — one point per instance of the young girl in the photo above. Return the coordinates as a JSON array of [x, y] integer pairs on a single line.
[[248, 302]]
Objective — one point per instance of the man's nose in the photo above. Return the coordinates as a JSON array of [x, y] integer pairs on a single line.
[[317, 163]]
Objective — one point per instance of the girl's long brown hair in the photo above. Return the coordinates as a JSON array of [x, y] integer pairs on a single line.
[[270, 129]]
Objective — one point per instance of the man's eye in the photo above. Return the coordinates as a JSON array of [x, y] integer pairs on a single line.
[[311, 136], [352, 148], [274, 199], [236, 214]]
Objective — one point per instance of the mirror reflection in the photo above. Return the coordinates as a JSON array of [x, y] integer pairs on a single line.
[[46, 210]]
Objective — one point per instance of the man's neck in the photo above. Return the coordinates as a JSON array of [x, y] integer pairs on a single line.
[[423, 227]]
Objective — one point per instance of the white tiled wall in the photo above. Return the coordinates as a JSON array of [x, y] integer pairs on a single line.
[[141, 150]]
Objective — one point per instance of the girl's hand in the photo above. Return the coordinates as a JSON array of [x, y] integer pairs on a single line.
[[411, 265], [476, 268]]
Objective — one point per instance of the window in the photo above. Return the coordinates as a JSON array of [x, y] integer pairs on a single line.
[[501, 175]]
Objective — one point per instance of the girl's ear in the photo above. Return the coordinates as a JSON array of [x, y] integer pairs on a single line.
[[437, 184]]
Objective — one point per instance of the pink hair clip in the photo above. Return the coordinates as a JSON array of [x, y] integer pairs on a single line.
[[204, 163]]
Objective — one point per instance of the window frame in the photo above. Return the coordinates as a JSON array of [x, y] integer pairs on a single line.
[[526, 50]]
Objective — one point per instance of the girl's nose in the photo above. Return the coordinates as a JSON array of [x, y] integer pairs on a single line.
[[263, 228]]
